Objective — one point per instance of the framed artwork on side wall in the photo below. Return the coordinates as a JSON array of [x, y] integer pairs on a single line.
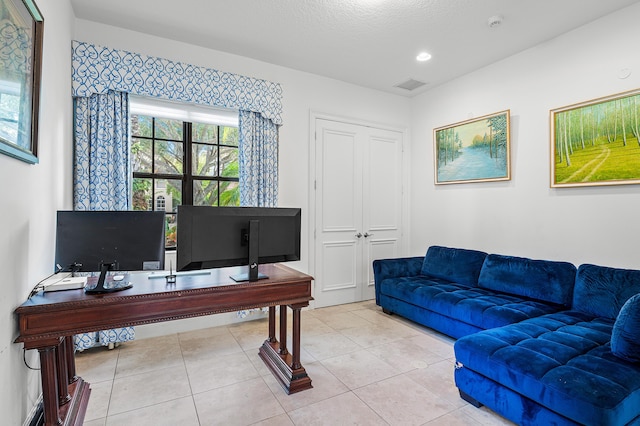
[[475, 150], [596, 142], [21, 30]]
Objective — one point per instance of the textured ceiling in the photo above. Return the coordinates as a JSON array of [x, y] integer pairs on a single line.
[[372, 43]]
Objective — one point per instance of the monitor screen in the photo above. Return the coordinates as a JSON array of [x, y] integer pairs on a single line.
[[91, 241], [214, 237]]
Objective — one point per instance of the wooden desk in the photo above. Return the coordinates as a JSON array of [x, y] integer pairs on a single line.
[[48, 322]]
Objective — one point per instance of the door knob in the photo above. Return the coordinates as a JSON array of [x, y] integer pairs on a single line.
[[366, 234], [358, 235]]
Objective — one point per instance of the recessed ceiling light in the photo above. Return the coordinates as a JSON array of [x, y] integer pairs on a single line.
[[423, 56]]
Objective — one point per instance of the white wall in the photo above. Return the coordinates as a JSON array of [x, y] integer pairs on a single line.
[[302, 92], [30, 196], [524, 216]]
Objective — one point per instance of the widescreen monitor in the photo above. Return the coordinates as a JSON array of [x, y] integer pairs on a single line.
[[91, 241], [215, 237]]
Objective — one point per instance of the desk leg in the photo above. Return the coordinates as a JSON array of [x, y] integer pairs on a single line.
[[272, 324], [71, 359], [285, 366], [283, 330], [62, 374], [296, 339], [49, 385]]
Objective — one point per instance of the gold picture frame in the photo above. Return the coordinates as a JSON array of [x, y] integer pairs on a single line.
[[596, 142], [475, 150]]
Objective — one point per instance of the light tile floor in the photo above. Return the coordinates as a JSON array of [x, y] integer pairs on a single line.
[[367, 368]]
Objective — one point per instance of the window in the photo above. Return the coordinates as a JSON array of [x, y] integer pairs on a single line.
[[160, 203], [177, 162]]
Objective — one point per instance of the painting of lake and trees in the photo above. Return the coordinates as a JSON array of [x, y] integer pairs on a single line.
[[476, 150], [597, 142]]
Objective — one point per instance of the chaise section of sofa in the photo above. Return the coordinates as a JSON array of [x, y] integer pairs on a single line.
[[459, 292], [567, 367]]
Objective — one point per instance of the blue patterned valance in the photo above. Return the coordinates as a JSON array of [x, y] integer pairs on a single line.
[[97, 69]]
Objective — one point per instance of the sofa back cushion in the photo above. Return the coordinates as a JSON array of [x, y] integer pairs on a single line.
[[601, 291], [460, 266], [625, 337], [545, 280]]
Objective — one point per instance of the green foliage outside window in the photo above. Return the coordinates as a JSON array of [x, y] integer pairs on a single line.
[[158, 149]]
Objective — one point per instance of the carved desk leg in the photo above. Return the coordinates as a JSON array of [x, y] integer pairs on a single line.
[[272, 324], [71, 359], [49, 385], [285, 366], [62, 374], [283, 330], [296, 339]]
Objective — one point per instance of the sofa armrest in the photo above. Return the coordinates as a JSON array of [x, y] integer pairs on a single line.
[[392, 268]]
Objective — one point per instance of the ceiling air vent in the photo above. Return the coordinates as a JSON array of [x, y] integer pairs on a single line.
[[410, 84]]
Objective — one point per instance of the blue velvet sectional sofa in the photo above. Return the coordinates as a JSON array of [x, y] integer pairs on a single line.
[[539, 342]]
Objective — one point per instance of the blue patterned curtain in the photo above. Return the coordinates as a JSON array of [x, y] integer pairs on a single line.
[[101, 169], [258, 160], [101, 174]]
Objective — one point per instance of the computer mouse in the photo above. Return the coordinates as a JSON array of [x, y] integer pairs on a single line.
[[118, 277]]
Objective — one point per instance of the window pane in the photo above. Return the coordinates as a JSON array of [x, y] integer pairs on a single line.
[[141, 198], [229, 194], [141, 125], [170, 231], [9, 114], [205, 133], [141, 155], [168, 194], [204, 160], [168, 157], [229, 162], [205, 193], [168, 129], [229, 136]]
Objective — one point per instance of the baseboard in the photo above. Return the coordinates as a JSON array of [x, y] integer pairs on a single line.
[[36, 415]]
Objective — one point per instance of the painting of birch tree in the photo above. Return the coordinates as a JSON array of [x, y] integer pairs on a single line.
[[597, 142]]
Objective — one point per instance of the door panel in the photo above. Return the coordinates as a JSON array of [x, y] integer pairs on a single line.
[[358, 204], [378, 249], [341, 208], [339, 275], [382, 202], [383, 181]]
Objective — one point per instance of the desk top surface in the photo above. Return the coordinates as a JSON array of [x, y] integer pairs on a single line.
[[45, 317], [218, 278]]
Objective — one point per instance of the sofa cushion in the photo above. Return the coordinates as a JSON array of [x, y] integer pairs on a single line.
[[601, 291], [479, 307], [545, 280], [563, 361], [625, 338], [461, 266]]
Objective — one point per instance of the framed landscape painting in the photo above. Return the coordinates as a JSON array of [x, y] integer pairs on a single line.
[[476, 150], [597, 142]]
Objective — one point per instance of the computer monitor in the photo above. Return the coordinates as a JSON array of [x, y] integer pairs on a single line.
[[215, 237], [90, 241]]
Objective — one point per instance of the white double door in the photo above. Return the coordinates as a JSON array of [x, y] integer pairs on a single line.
[[358, 207]]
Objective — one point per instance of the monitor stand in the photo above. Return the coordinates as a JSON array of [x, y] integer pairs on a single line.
[[111, 285], [247, 276], [253, 238]]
